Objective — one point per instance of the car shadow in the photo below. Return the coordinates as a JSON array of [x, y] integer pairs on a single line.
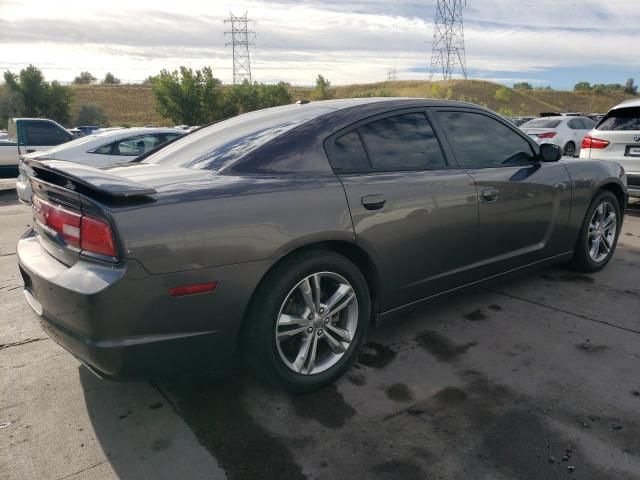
[[633, 208], [9, 197]]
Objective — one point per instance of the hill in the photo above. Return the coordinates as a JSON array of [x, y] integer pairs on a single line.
[[134, 104]]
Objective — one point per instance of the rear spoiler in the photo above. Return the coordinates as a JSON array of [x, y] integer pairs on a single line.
[[74, 175]]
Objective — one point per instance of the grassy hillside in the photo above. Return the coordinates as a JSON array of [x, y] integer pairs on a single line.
[[134, 105]]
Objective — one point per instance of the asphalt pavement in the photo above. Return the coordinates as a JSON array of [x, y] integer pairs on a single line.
[[532, 378]]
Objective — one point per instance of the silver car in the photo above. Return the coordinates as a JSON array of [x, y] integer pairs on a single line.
[[566, 132], [103, 148]]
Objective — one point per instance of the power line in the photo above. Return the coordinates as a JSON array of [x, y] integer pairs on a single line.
[[240, 44], [448, 51]]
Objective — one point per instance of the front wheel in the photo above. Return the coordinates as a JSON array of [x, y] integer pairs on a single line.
[[307, 321], [599, 235]]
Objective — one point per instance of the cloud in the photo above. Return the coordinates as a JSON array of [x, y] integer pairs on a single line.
[[350, 41]]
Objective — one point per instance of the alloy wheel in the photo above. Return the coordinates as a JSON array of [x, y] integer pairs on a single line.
[[602, 232], [317, 323]]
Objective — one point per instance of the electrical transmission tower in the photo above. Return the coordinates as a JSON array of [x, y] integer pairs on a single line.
[[448, 40], [392, 74], [240, 43]]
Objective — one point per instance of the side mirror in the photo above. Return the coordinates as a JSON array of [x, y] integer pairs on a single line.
[[550, 152]]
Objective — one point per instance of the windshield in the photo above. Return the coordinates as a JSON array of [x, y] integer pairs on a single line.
[[542, 123], [623, 119], [219, 145]]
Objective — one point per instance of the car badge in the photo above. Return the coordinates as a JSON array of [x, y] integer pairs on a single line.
[[637, 138]]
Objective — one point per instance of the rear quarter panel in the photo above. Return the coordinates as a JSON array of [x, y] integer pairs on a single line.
[[237, 220]]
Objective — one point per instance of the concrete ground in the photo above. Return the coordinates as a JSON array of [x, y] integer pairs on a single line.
[[533, 378]]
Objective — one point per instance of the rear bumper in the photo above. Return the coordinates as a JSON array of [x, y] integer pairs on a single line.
[[120, 320]]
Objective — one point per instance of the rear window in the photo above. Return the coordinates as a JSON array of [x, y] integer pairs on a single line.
[[622, 119], [222, 144], [541, 123]]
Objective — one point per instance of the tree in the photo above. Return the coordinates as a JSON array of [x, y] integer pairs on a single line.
[[247, 97], [436, 91], [630, 87], [187, 96], [110, 79], [522, 86], [85, 78], [91, 115], [321, 92], [37, 97], [582, 87], [10, 105], [503, 94]]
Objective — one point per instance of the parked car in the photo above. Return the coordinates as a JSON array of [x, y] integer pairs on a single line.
[[26, 135], [88, 129], [617, 138], [100, 150], [283, 233], [517, 121], [565, 131]]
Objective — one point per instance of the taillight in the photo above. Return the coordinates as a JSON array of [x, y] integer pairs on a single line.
[[546, 135], [76, 230], [590, 142], [96, 237]]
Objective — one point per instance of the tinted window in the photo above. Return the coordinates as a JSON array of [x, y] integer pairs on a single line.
[[222, 144], [575, 124], [588, 123], [348, 153], [541, 123], [480, 141], [45, 134], [402, 142], [623, 119]]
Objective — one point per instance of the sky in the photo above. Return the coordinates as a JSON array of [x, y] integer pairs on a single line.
[[544, 42]]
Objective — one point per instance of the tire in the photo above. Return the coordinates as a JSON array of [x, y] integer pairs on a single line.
[[584, 259], [279, 308], [570, 150]]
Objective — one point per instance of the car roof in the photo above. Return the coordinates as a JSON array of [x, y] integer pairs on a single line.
[[631, 103]]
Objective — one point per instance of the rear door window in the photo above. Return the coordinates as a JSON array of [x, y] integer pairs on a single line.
[[135, 146], [348, 153], [575, 124], [624, 119], [402, 142], [480, 141]]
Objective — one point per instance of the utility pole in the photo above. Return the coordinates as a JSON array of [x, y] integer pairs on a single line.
[[448, 40], [240, 44]]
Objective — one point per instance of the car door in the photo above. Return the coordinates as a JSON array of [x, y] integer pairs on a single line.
[[524, 204], [412, 211]]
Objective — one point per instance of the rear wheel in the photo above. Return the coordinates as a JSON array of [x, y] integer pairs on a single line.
[[307, 321], [570, 149], [599, 234]]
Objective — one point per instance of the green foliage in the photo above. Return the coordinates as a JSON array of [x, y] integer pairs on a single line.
[[32, 96], [91, 115], [10, 105], [630, 87], [110, 79], [85, 78], [247, 97], [503, 94], [321, 92], [196, 97], [506, 112], [449, 94], [599, 88], [187, 96], [522, 86], [582, 87], [435, 90]]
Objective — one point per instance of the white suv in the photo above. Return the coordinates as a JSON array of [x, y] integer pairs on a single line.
[[617, 138]]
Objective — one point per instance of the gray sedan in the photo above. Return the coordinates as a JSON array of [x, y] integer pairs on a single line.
[[283, 234]]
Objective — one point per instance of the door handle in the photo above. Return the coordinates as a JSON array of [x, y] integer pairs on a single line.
[[490, 194], [373, 202], [30, 150]]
